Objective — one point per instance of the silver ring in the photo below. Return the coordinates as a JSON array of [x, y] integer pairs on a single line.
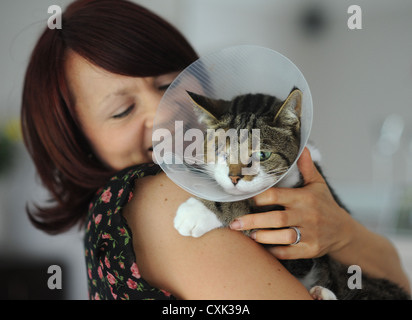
[[298, 236]]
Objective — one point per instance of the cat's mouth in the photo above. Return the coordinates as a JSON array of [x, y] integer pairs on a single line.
[[242, 188], [235, 191]]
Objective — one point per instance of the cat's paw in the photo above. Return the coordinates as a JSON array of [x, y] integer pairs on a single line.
[[321, 293], [194, 219]]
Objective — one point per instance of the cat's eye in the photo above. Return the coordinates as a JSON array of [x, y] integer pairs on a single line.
[[262, 155]]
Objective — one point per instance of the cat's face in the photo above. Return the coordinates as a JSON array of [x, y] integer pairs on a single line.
[[259, 139]]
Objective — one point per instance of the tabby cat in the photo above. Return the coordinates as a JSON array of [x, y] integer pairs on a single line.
[[279, 124]]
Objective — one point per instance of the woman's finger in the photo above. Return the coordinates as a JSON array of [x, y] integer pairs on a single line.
[[264, 220], [287, 196], [299, 251], [308, 169], [277, 196], [281, 236]]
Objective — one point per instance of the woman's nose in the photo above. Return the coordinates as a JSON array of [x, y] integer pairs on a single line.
[[149, 122], [152, 102]]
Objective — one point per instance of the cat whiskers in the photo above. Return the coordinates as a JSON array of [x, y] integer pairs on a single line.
[[196, 164], [277, 171], [190, 164], [274, 174]]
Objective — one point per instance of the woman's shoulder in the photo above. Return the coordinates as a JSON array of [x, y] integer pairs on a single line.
[[119, 188], [208, 267], [113, 272]]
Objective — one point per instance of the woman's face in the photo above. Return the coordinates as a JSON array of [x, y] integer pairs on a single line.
[[116, 112]]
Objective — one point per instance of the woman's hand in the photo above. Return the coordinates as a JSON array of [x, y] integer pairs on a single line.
[[325, 227]]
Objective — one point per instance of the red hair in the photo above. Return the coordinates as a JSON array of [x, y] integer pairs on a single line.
[[122, 38]]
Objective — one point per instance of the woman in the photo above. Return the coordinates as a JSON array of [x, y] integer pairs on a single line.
[[90, 94]]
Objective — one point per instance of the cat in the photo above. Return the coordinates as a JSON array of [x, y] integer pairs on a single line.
[[280, 125]]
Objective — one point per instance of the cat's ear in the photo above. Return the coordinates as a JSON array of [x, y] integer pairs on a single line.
[[210, 108], [290, 111]]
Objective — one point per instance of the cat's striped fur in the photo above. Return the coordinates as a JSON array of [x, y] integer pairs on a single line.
[[279, 124]]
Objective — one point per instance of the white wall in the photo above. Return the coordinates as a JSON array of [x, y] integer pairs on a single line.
[[357, 79]]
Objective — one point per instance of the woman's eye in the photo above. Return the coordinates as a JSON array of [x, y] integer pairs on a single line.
[[124, 113], [164, 87]]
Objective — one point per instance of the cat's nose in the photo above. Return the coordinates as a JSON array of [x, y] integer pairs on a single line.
[[235, 179]]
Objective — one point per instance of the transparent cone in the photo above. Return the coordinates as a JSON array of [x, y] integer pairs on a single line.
[[178, 137]]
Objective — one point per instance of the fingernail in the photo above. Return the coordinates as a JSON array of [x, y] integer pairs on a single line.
[[236, 224], [253, 235]]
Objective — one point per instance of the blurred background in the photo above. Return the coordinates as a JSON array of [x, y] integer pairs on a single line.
[[361, 83]]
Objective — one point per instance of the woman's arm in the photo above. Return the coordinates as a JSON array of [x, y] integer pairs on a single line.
[[373, 253], [326, 228], [222, 264]]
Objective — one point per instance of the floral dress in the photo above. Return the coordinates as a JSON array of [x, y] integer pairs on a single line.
[[112, 270]]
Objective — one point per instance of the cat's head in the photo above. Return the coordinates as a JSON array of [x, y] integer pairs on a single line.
[[266, 138]]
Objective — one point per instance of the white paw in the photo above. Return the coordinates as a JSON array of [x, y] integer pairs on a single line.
[[194, 219], [321, 293]]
